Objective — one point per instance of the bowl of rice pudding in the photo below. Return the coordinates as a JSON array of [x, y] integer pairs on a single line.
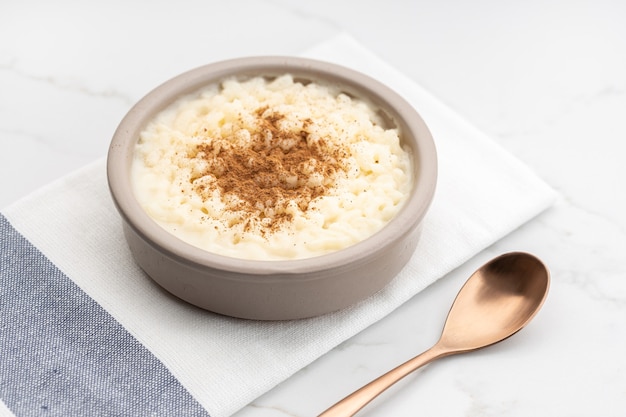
[[272, 188]]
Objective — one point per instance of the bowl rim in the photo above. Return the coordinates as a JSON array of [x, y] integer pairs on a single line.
[[119, 158]]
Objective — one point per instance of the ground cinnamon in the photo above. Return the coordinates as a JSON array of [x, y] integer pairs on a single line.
[[260, 179]]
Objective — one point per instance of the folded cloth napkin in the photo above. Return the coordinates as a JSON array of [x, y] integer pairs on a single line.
[[84, 332]]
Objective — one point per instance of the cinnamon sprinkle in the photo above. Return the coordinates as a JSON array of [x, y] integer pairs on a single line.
[[279, 167]]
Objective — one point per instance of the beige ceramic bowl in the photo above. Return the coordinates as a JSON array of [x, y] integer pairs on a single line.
[[273, 290]]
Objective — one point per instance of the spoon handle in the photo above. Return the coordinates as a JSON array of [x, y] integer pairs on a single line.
[[360, 398]]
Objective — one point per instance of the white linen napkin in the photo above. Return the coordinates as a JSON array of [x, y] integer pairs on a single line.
[[85, 332]]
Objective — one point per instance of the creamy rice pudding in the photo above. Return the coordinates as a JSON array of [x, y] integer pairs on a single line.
[[271, 169]]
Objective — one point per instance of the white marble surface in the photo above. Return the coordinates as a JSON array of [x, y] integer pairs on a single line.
[[545, 79]]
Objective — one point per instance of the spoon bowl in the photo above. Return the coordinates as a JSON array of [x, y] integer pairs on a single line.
[[496, 302]]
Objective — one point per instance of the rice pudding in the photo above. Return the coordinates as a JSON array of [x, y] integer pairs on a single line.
[[271, 169]]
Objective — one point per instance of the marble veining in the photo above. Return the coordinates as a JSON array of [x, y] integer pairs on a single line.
[[67, 84]]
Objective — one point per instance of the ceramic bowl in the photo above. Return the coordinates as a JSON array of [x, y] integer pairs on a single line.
[[285, 289]]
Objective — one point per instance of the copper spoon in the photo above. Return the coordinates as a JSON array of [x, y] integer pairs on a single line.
[[497, 301]]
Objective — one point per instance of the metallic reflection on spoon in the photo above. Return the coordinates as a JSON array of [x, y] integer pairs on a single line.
[[497, 301]]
